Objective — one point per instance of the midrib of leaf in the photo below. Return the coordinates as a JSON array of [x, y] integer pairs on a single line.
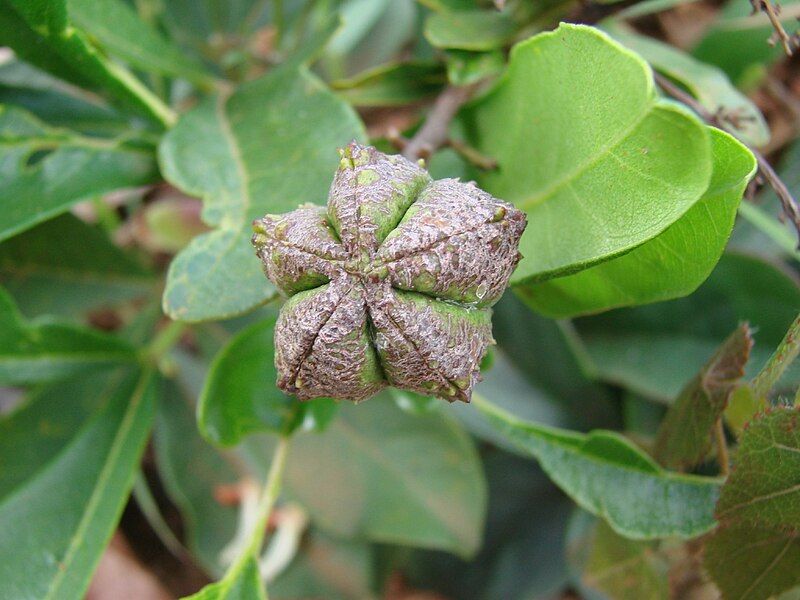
[[769, 567], [758, 499], [442, 512], [96, 497]]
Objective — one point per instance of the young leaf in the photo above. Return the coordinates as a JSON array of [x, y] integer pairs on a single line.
[[56, 525], [243, 583], [654, 350], [684, 437], [707, 83], [391, 477], [45, 350], [240, 395], [672, 264], [41, 33], [611, 168], [267, 148], [46, 170], [117, 28], [608, 476], [755, 552], [65, 266]]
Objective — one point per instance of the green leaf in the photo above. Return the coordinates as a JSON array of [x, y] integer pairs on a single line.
[[240, 395], [310, 574], [117, 28], [611, 168], [40, 428], [620, 568], [46, 170], [56, 525], [737, 41], [755, 552], [474, 30], [40, 32], [684, 437], [672, 264], [707, 83], [56, 102], [465, 68], [392, 477], [192, 470], [46, 350], [764, 486], [265, 149], [608, 476], [243, 583], [65, 266], [753, 562], [392, 84], [655, 350]]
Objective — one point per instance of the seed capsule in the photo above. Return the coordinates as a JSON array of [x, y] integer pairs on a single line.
[[392, 284]]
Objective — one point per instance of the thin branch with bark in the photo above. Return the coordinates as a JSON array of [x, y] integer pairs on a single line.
[[788, 201], [773, 13], [434, 133]]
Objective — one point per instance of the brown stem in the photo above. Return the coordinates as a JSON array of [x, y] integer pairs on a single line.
[[434, 133], [788, 202], [771, 11]]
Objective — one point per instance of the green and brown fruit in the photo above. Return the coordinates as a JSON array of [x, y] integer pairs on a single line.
[[392, 284]]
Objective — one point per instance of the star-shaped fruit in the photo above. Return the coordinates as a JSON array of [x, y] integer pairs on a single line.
[[392, 284]]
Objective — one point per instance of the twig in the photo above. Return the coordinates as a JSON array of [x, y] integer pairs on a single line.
[[788, 202], [434, 133], [772, 11], [784, 355]]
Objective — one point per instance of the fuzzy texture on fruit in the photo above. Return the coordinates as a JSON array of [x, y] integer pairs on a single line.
[[392, 284]]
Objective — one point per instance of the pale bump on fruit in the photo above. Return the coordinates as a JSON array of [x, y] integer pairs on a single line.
[[391, 284]]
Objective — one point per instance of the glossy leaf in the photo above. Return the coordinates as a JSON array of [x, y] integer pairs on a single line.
[[470, 30], [65, 266], [56, 525], [613, 167], [45, 170], [608, 476], [240, 395], [246, 138], [684, 437], [391, 477], [392, 85], [755, 552], [47, 350], [707, 83], [672, 264], [117, 28], [40, 32], [655, 350]]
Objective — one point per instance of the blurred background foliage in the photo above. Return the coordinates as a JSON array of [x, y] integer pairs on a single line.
[[139, 138]]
